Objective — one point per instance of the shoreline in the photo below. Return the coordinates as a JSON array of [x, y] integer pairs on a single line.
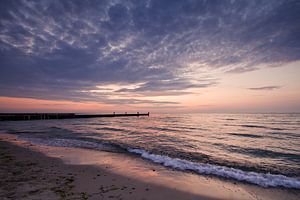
[[29, 171]]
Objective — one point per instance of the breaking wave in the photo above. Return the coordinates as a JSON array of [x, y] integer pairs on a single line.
[[264, 180]]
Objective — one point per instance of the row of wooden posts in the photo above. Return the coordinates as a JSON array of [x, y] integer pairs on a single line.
[[45, 116]]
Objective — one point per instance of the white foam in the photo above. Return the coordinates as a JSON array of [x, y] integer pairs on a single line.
[[265, 180], [66, 143]]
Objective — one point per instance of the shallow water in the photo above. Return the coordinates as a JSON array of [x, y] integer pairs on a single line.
[[262, 149]]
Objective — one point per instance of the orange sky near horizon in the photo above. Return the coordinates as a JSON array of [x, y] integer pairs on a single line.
[[230, 95]]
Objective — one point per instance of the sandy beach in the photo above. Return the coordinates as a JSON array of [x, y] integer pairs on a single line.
[[38, 172]]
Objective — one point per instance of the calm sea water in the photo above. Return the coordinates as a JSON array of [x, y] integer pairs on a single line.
[[262, 149]]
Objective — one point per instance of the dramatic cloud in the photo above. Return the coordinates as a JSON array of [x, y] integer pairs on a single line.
[[272, 87], [71, 49]]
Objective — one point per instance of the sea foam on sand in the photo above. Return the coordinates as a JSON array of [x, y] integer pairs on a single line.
[[264, 180]]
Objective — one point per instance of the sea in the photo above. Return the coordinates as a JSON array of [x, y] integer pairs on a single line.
[[260, 149]]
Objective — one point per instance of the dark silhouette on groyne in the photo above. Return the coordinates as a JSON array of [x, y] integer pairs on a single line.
[[46, 116]]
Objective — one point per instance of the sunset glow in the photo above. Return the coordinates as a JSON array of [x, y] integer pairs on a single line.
[[155, 56]]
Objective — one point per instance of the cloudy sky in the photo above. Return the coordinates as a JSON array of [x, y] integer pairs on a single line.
[[150, 55]]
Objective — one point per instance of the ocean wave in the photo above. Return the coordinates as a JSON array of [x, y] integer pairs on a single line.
[[263, 153], [252, 126], [246, 135], [164, 129], [286, 134], [262, 127], [230, 119], [75, 143], [111, 129], [264, 180]]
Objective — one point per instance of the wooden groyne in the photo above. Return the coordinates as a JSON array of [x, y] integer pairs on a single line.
[[45, 116]]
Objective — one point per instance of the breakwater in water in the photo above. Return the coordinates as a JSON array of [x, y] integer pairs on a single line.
[[44, 116]]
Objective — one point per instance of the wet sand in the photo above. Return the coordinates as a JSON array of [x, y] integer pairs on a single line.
[[36, 172]]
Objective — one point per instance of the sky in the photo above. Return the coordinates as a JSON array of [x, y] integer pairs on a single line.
[[149, 55]]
